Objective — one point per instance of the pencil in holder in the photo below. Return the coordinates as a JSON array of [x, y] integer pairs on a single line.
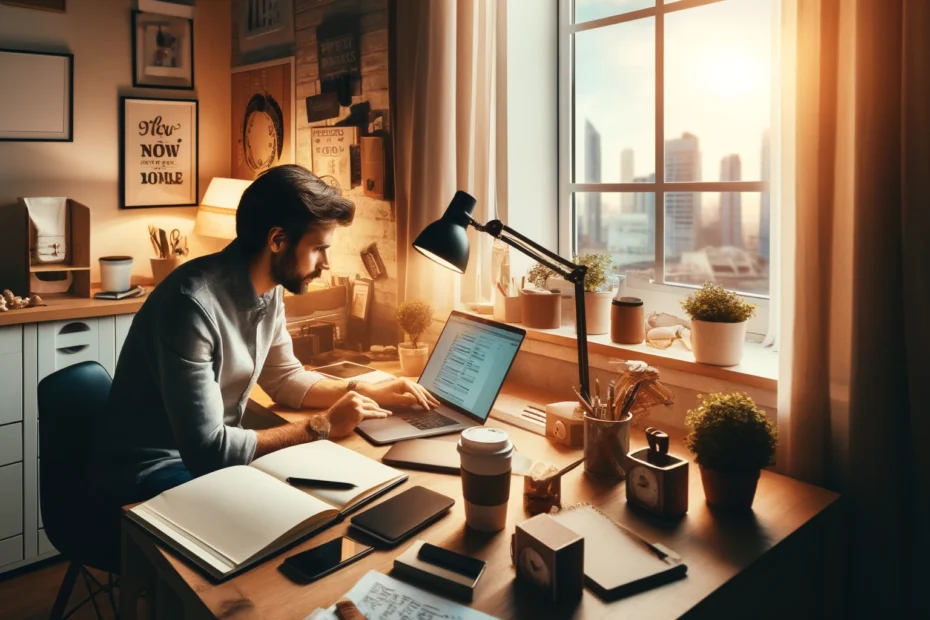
[[606, 444]]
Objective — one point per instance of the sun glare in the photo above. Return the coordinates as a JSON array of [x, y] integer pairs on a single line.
[[730, 72]]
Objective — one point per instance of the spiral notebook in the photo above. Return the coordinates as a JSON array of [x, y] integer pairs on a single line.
[[618, 562]]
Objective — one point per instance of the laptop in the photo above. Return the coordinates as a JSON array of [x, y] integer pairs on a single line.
[[465, 373]]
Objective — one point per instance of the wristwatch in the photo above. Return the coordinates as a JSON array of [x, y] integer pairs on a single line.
[[318, 427], [351, 386]]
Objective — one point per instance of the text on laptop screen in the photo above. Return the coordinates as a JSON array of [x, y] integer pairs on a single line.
[[469, 364]]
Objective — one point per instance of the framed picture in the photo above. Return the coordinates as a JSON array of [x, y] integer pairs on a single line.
[[361, 299], [38, 96], [265, 24], [178, 8], [263, 117], [158, 152], [58, 6], [162, 51]]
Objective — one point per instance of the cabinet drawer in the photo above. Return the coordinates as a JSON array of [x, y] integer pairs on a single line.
[[11, 508], [44, 545], [11, 550], [11, 339], [11, 444], [65, 343], [11, 387], [39, 491]]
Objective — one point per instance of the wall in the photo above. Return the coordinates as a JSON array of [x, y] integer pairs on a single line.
[[375, 219], [98, 33]]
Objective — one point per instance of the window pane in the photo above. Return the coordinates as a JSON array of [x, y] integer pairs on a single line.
[[721, 238], [614, 124], [717, 90], [586, 10], [621, 224]]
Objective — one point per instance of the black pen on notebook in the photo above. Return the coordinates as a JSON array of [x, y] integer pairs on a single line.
[[319, 484]]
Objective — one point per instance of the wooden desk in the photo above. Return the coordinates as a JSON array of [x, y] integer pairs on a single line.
[[757, 566]]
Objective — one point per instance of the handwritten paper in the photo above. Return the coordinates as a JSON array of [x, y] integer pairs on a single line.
[[380, 597]]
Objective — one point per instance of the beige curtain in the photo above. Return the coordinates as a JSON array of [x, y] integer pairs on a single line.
[[446, 98], [854, 391]]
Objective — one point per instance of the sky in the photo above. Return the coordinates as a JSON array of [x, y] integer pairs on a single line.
[[717, 86]]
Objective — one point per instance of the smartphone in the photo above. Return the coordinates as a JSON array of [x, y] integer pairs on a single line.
[[401, 516], [320, 561]]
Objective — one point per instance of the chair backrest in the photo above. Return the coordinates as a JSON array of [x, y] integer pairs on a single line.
[[69, 400]]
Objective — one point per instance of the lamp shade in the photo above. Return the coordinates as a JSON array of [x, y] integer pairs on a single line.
[[216, 215], [445, 241]]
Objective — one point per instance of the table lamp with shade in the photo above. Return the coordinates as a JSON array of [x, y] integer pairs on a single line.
[[216, 215], [445, 242]]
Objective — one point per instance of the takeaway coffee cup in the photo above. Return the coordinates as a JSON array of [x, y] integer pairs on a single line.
[[486, 455]]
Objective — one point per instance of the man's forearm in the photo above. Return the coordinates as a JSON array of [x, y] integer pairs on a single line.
[[280, 437], [324, 393]]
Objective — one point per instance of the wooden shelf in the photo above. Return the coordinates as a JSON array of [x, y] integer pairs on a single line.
[[56, 267]]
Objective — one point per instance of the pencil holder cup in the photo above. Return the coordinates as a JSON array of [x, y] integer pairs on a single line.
[[542, 311], [606, 444], [508, 309]]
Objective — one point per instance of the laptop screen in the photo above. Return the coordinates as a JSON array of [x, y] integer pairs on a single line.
[[469, 363]]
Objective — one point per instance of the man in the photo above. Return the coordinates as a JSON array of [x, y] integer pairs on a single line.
[[214, 328]]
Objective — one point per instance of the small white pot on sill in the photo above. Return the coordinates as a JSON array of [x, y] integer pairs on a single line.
[[412, 358], [597, 312], [720, 344]]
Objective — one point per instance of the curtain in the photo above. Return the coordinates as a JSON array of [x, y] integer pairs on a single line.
[[854, 386], [445, 58]]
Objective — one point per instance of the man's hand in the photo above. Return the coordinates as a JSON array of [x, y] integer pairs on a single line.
[[399, 392], [349, 410]]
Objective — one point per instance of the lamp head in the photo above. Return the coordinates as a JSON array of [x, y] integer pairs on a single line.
[[445, 241]]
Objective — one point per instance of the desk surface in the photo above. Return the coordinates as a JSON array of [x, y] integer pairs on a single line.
[[715, 549], [62, 307]]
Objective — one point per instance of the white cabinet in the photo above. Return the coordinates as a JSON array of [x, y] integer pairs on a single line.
[[11, 512], [65, 343], [123, 321], [11, 374]]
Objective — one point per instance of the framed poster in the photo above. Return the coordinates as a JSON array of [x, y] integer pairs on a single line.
[[57, 6], [361, 299], [158, 152], [178, 8], [263, 117], [162, 51], [265, 25], [38, 96]]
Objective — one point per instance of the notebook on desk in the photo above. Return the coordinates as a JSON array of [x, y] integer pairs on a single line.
[[235, 517]]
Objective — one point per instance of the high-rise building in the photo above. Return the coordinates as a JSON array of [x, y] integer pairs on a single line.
[[592, 174], [731, 208], [682, 209], [626, 176], [645, 202], [765, 215]]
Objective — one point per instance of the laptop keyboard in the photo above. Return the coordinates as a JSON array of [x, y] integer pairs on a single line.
[[426, 420]]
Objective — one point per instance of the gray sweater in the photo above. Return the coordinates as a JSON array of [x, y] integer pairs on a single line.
[[195, 350]]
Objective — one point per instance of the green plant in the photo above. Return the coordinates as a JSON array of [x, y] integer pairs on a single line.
[[716, 304], [414, 317], [538, 275], [598, 265], [728, 432]]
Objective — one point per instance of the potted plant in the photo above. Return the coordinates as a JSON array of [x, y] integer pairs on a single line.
[[414, 317], [539, 274], [732, 440], [718, 324], [597, 294]]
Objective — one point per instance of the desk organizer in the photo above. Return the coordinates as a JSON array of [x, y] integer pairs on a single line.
[[508, 309], [543, 311], [606, 444]]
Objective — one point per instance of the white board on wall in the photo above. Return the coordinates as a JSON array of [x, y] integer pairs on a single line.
[[37, 96]]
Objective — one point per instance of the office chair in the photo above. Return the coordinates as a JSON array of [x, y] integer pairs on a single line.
[[79, 527]]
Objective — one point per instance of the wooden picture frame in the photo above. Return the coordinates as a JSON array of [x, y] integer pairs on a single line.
[[264, 118], [178, 8], [159, 152], [162, 51], [55, 6], [265, 25], [360, 306], [38, 96]]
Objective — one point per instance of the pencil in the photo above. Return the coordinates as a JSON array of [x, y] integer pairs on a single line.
[[585, 404]]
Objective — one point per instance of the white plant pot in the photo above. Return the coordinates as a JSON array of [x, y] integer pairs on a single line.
[[720, 344], [115, 273], [412, 358], [597, 312]]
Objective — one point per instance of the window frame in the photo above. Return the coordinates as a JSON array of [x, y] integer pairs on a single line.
[[656, 290]]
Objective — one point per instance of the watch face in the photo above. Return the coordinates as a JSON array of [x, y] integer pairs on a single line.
[[559, 430], [534, 568], [644, 486]]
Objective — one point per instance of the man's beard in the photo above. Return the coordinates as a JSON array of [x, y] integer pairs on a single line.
[[285, 272]]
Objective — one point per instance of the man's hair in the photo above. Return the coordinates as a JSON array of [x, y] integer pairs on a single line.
[[293, 198]]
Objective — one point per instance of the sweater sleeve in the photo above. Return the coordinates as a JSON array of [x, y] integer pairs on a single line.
[[283, 377], [183, 359]]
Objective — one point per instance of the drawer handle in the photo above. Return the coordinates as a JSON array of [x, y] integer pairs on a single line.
[[75, 349], [73, 328]]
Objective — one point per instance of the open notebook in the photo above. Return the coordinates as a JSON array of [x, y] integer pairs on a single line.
[[232, 518]]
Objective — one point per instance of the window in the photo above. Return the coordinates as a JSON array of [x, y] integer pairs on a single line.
[[665, 112]]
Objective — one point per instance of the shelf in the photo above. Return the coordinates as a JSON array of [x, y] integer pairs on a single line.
[[55, 267]]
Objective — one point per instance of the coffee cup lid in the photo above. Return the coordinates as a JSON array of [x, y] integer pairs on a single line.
[[484, 440]]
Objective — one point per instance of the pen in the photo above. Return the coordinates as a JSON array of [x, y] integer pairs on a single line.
[[320, 484]]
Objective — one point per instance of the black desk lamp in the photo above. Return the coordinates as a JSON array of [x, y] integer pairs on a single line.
[[445, 241]]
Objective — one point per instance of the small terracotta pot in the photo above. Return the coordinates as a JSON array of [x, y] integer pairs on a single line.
[[730, 490], [412, 358], [161, 267]]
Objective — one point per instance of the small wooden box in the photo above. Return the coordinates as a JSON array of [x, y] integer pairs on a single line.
[[551, 556], [18, 238]]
